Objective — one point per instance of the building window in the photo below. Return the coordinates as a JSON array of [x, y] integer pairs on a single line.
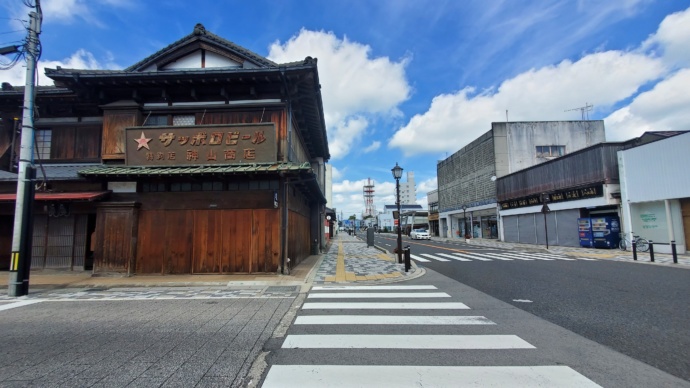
[[550, 151], [155, 120], [42, 146], [183, 120]]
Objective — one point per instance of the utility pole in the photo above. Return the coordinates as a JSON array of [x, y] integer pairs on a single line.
[[20, 264]]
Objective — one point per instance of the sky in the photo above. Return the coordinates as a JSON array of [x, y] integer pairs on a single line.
[[410, 81]]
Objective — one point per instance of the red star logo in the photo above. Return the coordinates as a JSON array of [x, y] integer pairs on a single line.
[[142, 142]]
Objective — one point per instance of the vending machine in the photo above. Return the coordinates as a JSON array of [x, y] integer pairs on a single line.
[[606, 232], [584, 226]]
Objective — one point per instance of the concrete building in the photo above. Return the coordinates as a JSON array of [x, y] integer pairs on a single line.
[[385, 219], [655, 192], [408, 190], [467, 179]]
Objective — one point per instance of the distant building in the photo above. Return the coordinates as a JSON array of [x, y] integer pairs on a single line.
[[408, 190], [467, 179], [432, 199], [385, 219]]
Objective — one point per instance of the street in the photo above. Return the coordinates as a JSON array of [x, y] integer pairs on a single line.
[[637, 309], [433, 331]]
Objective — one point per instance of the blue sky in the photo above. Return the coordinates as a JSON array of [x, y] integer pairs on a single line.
[[411, 81]]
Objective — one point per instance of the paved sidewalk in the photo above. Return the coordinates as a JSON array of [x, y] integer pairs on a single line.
[[607, 254], [347, 260]]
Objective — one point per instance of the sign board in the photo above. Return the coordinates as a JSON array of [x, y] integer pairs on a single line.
[[201, 145], [396, 215]]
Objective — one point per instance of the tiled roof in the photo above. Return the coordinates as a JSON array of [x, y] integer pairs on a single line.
[[112, 171], [53, 172]]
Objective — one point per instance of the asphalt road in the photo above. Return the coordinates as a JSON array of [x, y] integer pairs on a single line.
[[637, 309]]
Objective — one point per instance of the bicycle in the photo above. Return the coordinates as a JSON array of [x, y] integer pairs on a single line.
[[641, 244]]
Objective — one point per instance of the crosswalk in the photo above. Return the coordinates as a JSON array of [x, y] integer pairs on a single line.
[[497, 256], [377, 343]]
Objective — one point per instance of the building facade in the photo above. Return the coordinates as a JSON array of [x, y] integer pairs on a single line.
[[202, 158], [468, 205], [408, 190], [432, 199], [655, 192]]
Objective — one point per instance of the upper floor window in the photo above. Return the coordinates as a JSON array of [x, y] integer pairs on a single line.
[[183, 120], [154, 120], [550, 151], [43, 139]]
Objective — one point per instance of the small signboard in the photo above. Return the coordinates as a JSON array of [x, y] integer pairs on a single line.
[[201, 145]]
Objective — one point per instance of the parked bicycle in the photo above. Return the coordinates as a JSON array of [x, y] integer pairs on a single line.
[[641, 244]]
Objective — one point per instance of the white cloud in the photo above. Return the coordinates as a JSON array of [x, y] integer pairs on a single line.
[[671, 39], [349, 196], [453, 120], [70, 11], [81, 59], [663, 108], [372, 147], [427, 185], [355, 86], [336, 174]]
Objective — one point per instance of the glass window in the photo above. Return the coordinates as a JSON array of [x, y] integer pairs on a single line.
[[154, 120], [183, 120], [550, 151], [42, 146]]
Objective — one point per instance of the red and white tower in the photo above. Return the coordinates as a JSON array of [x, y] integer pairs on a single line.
[[369, 198]]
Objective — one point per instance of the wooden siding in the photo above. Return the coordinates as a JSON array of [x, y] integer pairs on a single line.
[[255, 199], [597, 164], [75, 143], [116, 230], [685, 211], [59, 243], [208, 241], [114, 124], [298, 238]]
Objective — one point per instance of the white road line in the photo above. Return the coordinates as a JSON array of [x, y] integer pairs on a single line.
[[433, 257], [357, 341], [587, 258], [420, 259], [18, 304], [385, 306], [347, 376], [520, 255], [380, 295], [473, 257], [391, 320], [486, 255], [355, 288], [499, 256], [453, 257], [551, 256]]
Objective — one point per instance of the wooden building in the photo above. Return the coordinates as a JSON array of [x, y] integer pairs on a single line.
[[202, 158]]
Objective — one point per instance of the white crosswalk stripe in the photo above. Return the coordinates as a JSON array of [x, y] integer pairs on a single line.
[[420, 259], [319, 327], [434, 257], [453, 257], [491, 256]]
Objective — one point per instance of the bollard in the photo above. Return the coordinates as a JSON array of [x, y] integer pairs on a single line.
[[407, 258], [634, 244], [651, 250], [673, 252]]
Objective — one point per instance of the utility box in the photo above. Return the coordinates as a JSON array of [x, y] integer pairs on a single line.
[[370, 237]]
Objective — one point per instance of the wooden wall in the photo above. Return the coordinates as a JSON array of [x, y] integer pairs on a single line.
[[75, 143], [298, 238], [208, 241], [114, 124], [116, 230]]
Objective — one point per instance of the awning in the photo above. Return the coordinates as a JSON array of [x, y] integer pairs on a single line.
[[239, 169], [73, 196]]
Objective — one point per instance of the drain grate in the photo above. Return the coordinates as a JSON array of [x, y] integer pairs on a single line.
[[281, 289]]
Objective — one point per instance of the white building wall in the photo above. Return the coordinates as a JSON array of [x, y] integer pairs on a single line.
[[328, 187], [408, 191], [653, 178]]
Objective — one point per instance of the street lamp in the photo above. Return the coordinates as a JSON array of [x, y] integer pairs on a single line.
[[397, 174], [464, 220]]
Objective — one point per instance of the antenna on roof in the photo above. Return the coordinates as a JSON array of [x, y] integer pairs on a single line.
[[583, 109]]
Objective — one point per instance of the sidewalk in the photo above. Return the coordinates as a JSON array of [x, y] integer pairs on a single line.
[[348, 260], [606, 254]]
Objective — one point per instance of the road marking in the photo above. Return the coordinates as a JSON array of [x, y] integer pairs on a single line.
[[357, 341], [385, 306], [453, 257], [433, 257], [355, 288], [420, 259], [551, 256], [342, 376], [18, 304], [520, 255], [379, 295], [499, 256], [473, 257], [391, 320]]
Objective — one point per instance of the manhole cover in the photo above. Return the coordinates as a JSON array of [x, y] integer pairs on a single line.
[[281, 289]]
